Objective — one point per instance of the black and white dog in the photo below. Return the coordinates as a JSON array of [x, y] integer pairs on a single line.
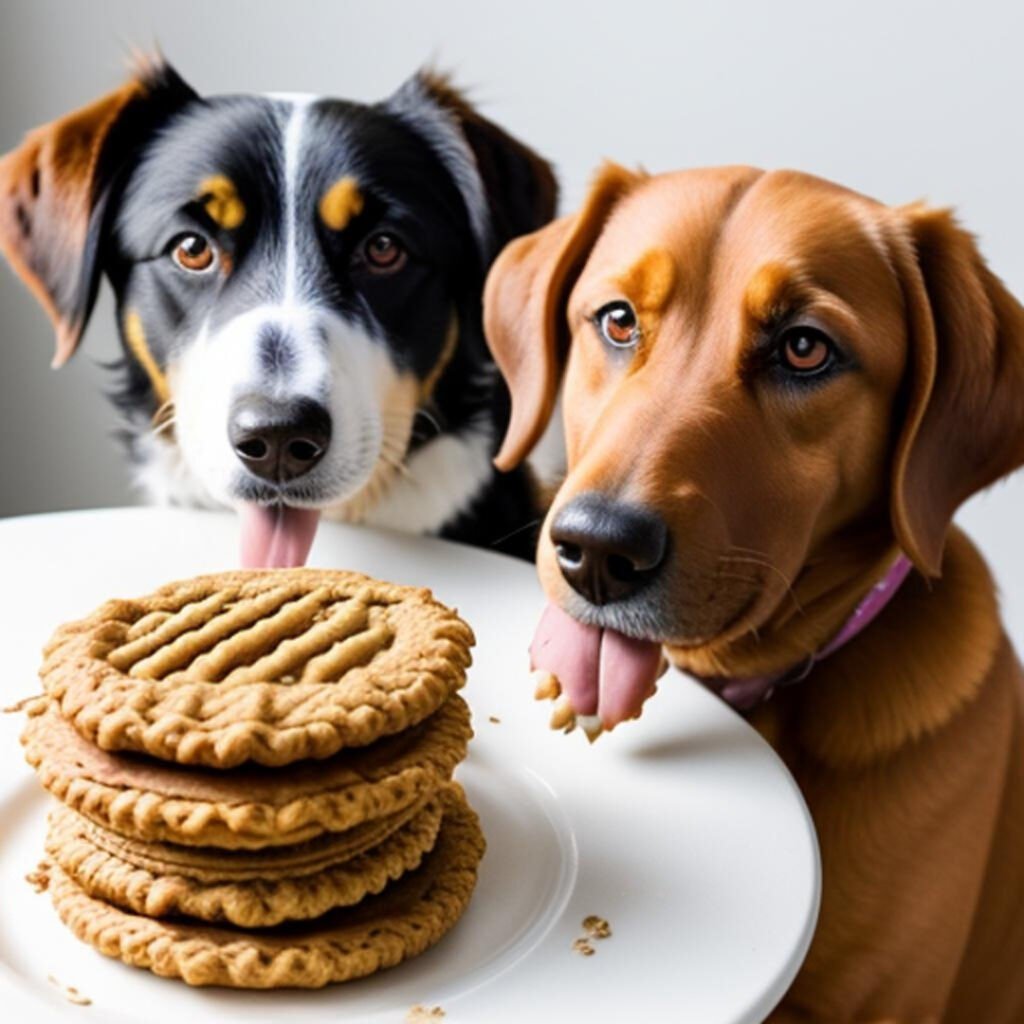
[[298, 286]]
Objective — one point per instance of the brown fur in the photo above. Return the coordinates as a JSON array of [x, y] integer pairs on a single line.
[[47, 188], [784, 508]]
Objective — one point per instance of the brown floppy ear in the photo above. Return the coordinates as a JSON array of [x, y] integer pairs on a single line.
[[964, 423], [524, 309], [54, 189]]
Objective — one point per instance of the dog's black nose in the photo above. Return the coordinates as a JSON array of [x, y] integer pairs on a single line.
[[279, 441], [607, 549]]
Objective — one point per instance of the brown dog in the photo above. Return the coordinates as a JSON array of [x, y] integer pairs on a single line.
[[773, 387]]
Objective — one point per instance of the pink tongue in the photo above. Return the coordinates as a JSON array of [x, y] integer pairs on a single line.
[[571, 652], [601, 672], [275, 536]]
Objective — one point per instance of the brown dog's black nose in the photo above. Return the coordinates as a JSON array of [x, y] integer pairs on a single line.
[[607, 549], [279, 441]]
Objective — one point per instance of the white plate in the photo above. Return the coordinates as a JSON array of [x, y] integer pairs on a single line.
[[684, 830]]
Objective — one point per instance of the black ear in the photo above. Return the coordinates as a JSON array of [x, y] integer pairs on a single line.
[[508, 189], [55, 192]]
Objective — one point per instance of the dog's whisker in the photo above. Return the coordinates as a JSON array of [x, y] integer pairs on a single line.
[[389, 459], [430, 418], [518, 530], [760, 562], [164, 427], [163, 410], [164, 418], [764, 563]]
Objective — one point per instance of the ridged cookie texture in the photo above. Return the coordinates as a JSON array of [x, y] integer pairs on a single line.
[[408, 917], [249, 807], [270, 666], [244, 889]]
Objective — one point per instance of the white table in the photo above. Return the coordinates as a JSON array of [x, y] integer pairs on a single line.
[[684, 830]]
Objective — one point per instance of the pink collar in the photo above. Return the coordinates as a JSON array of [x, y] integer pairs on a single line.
[[744, 694]]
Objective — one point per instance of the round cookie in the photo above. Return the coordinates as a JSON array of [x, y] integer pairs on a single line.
[[271, 666], [250, 890], [208, 864], [407, 918], [248, 807]]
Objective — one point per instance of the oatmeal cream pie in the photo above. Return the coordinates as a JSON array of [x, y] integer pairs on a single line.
[[248, 807], [245, 888], [271, 666], [406, 918]]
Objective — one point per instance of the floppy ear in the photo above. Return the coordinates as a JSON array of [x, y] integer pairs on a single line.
[[507, 188], [54, 190], [524, 309], [964, 424]]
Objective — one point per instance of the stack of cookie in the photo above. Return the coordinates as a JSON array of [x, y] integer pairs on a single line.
[[254, 775]]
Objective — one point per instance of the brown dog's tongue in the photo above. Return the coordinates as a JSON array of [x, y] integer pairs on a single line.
[[275, 536], [602, 672]]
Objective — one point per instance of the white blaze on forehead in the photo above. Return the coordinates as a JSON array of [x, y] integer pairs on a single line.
[[293, 144], [292, 97]]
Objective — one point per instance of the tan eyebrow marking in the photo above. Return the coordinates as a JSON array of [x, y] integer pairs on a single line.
[[135, 336], [649, 281], [770, 292], [340, 203], [221, 200]]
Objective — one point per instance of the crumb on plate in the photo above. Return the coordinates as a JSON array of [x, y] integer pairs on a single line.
[[39, 879], [597, 927], [420, 1014], [71, 994]]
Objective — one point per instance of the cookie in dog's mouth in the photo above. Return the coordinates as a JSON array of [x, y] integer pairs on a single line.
[[603, 673], [276, 536]]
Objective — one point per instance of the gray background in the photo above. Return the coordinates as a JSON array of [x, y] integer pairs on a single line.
[[898, 100]]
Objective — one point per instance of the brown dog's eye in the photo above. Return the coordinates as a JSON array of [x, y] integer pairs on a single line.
[[384, 253], [618, 324], [805, 350], [193, 253]]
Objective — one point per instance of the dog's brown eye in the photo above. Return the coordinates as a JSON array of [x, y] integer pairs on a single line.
[[805, 350], [618, 324], [194, 253], [384, 253]]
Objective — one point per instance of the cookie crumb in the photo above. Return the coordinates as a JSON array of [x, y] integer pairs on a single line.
[[39, 879], [71, 994], [547, 686], [21, 705], [591, 725], [583, 947], [597, 927], [420, 1014], [494, 719], [562, 716], [76, 997]]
